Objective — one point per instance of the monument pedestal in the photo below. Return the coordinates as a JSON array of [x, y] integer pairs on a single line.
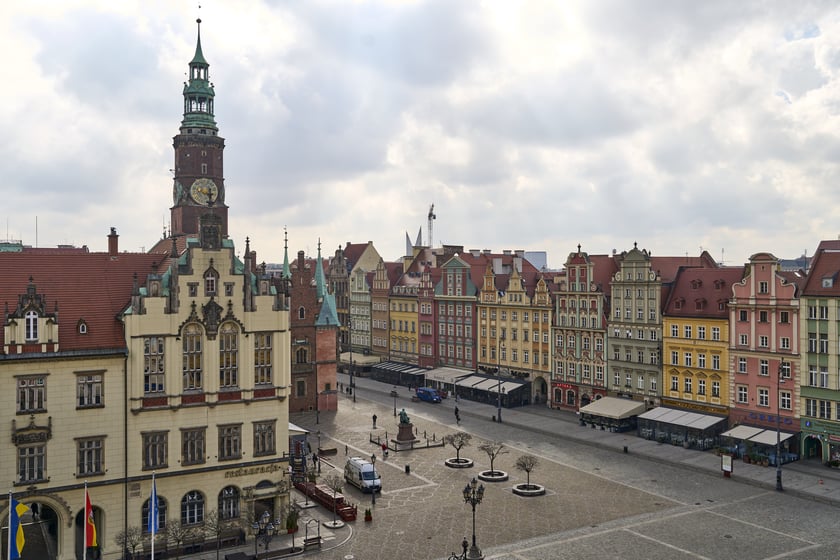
[[405, 435]]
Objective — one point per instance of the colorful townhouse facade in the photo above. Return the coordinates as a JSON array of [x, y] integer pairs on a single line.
[[819, 398], [764, 321], [579, 330], [695, 340]]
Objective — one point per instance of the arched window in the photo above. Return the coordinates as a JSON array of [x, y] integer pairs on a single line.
[[229, 355], [192, 357], [301, 312], [31, 325], [229, 503], [161, 514], [301, 356], [211, 281], [192, 508]]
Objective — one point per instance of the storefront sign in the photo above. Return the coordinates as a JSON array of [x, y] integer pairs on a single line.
[[769, 418], [564, 385], [683, 405], [832, 437], [245, 471]]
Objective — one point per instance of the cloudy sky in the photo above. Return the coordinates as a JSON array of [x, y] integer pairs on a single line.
[[531, 125]]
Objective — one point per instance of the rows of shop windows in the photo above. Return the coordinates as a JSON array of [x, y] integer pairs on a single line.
[[701, 362], [639, 357], [403, 326], [90, 451], [571, 369], [764, 367], [763, 315], [701, 385], [452, 309], [513, 334], [513, 354], [764, 341], [640, 313], [653, 334], [194, 508], [194, 444], [818, 408], [514, 315], [641, 381], [571, 342], [762, 396], [31, 394], [192, 351], [688, 332]]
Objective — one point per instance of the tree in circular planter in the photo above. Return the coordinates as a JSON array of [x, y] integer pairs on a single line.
[[458, 440], [493, 449], [528, 463]]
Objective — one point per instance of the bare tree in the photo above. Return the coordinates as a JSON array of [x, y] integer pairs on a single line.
[[176, 533], [493, 450], [215, 525], [457, 440], [336, 484], [129, 539], [527, 463]]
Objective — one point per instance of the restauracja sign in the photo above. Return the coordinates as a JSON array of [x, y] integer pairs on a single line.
[[768, 418]]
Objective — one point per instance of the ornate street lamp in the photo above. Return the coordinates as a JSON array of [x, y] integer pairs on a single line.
[[394, 394], [373, 488], [782, 368], [473, 494], [499, 373], [264, 531]]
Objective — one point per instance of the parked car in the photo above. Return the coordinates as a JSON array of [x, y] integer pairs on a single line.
[[428, 394]]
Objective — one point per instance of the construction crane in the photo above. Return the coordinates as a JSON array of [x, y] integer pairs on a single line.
[[432, 217]]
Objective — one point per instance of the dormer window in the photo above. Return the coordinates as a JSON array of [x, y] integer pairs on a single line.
[[828, 282], [82, 328], [31, 326]]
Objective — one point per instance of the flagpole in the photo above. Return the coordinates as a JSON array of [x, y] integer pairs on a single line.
[[9, 543], [84, 526], [153, 511]]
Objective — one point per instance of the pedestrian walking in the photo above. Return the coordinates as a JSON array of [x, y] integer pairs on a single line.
[[374, 421]]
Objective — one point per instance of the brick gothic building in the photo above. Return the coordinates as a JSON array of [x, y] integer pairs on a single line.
[[172, 363], [314, 336]]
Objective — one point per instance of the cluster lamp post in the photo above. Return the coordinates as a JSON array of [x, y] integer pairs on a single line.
[[264, 530], [782, 367], [373, 488], [473, 494], [499, 373]]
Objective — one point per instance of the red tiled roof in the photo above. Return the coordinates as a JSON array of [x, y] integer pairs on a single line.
[[353, 251], [706, 286], [93, 287], [824, 265]]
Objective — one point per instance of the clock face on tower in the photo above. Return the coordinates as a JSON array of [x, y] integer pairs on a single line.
[[204, 190]]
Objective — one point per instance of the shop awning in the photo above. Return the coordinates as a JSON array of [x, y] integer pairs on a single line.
[[447, 375], [693, 420], [742, 432], [612, 407], [491, 385], [768, 437], [359, 359], [294, 429]]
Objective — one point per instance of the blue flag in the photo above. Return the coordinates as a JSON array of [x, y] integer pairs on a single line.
[[154, 514], [16, 529]]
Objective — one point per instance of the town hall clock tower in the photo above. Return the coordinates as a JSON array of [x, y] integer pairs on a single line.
[[199, 178]]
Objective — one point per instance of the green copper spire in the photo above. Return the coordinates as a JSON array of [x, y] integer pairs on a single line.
[[287, 271], [198, 95], [320, 284]]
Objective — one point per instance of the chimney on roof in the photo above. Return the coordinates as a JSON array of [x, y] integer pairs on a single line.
[[113, 242], [506, 252]]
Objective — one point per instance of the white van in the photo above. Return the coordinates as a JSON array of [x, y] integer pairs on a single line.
[[362, 474]]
